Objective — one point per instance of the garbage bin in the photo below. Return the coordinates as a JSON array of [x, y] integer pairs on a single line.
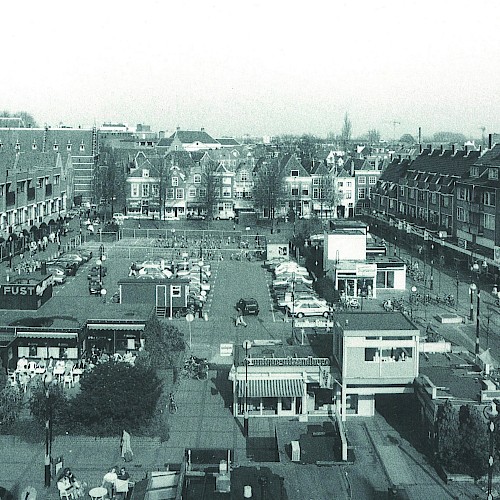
[[295, 451]]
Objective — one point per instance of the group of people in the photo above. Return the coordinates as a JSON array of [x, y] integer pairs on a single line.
[[116, 482], [69, 486]]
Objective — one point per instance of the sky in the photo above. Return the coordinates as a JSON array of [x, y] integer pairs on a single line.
[[258, 67]]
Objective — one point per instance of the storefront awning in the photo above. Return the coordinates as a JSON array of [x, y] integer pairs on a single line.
[[48, 335], [274, 388], [115, 326]]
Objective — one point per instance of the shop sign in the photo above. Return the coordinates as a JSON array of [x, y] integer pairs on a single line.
[[366, 270], [23, 290]]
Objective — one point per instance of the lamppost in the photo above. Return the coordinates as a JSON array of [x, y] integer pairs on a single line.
[[100, 263], [431, 286], [458, 282], [412, 299], [200, 264], [48, 380], [472, 289], [103, 295], [293, 307], [9, 239], [247, 345], [491, 413]]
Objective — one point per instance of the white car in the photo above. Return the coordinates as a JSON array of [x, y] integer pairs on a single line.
[[309, 308], [290, 267], [299, 297], [119, 218], [289, 279]]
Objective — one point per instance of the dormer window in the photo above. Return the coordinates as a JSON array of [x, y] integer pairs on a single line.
[[474, 172], [175, 181], [493, 173], [82, 147], [34, 146], [68, 146], [18, 146], [56, 146], [145, 172], [294, 173]]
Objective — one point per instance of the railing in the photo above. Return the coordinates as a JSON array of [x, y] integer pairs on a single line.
[[289, 361]]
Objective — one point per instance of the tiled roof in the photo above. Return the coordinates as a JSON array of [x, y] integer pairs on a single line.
[[23, 161], [491, 157], [395, 171], [165, 142], [444, 162], [190, 136], [228, 141]]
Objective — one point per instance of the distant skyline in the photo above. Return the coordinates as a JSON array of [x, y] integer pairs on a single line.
[[256, 67]]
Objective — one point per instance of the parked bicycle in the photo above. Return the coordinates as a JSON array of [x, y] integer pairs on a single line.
[[172, 405]]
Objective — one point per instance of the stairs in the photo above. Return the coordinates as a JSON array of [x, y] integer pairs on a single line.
[[161, 312]]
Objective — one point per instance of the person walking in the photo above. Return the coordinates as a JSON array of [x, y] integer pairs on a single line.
[[239, 318]]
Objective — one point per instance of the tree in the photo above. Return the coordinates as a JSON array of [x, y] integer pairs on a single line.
[[110, 179], [26, 118], [209, 182], [332, 197], [11, 402], [407, 139], [162, 174], [3, 376], [346, 132], [449, 137], [58, 402], [473, 441], [269, 187], [115, 396], [373, 136], [448, 438], [163, 342]]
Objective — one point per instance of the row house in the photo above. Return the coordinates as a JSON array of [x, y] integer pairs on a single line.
[[80, 143], [422, 190], [477, 209], [34, 191]]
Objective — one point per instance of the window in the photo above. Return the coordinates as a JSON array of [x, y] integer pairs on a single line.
[[179, 193], [434, 198], [56, 147], [493, 173], [295, 191], [463, 194], [474, 172], [226, 192], [348, 195], [460, 214], [145, 190], [489, 221], [197, 178], [170, 193], [135, 190], [488, 198], [244, 176], [340, 184], [348, 183], [192, 192], [305, 191], [401, 190], [203, 193], [371, 354], [372, 180], [33, 146], [57, 180], [316, 181], [175, 181], [39, 182], [411, 193], [82, 147], [155, 190], [176, 290], [362, 180], [226, 180], [68, 146], [145, 172], [238, 195], [316, 193], [446, 201], [294, 173], [361, 193]]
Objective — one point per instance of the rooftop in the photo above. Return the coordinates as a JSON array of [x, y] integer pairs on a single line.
[[375, 321]]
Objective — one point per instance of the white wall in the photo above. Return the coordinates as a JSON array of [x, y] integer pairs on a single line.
[[345, 247]]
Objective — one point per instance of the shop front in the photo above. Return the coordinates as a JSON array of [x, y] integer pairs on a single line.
[[113, 336], [27, 293]]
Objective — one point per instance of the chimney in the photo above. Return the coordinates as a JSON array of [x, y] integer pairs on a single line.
[[178, 128], [442, 149], [453, 149], [420, 135], [420, 147], [466, 149], [203, 129], [490, 141]]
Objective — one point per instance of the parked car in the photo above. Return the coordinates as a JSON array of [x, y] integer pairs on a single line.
[[248, 306], [86, 254], [289, 279], [309, 308], [195, 216], [75, 256], [58, 279], [119, 217], [294, 269], [288, 301], [97, 271], [95, 287], [69, 267]]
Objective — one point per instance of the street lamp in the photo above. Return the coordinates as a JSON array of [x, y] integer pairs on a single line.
[[103, 294], [472, 289], [412, 299], [48, 380], [100, 263], [431, 287], [247, 344], [491, 413]]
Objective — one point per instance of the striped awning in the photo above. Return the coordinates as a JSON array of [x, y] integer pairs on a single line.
[[48, 335], [116, 326], [272, 388]]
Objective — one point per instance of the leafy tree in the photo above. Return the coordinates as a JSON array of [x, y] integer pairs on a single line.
[[163, 342], [58, 404], [269, 187], [448, 438], [27, 118], [209, 182], [346, 131], [110, 179], [115, 396], [449, 137], [11, 402], [473, 441], [3, 376]]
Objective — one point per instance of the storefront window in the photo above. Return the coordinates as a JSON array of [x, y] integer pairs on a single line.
[[385, 279], [286, 404]]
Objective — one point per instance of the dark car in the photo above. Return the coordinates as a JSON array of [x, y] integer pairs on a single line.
[[95, 287], [69, 268], [97, 272], [248, 306]]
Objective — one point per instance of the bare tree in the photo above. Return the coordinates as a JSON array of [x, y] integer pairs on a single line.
[[346, 131], [210, 183], [110, 179], [269, 187], [373, 136]]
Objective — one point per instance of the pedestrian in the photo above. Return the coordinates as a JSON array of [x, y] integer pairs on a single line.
[[239, 318], [126, 449]]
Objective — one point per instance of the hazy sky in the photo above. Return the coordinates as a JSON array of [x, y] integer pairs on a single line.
[[258, 67]]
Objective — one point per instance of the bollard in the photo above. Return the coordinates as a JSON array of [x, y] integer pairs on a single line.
[[205, 316]]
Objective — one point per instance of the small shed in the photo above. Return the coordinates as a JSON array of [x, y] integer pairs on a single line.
[[166, 294], [28, 292]]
